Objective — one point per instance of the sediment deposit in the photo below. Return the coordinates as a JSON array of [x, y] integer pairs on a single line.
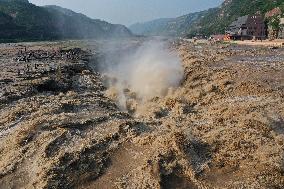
[[60, 127]]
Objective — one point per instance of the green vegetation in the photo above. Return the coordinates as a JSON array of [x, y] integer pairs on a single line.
[[216, 20], [167, 26], [23, 21], [274, 22], [212, 21]]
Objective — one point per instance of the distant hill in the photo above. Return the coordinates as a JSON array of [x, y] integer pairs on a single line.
[[218, 19], [154, 27], [211, 21], [21, 20], [166, 26]]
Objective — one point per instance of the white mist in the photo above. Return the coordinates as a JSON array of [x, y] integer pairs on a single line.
[[150, 71]]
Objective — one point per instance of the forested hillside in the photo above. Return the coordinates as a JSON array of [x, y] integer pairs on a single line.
[[211, 21], [21, 20]]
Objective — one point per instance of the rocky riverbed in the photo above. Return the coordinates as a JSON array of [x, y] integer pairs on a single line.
[[223, 127]]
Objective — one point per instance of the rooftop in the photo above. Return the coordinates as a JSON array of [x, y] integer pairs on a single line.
[[239, 22]]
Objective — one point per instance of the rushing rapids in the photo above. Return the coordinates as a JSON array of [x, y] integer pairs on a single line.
[[62, 127]]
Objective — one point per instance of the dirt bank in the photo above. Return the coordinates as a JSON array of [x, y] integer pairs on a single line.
[[223, 127], [265, 43]]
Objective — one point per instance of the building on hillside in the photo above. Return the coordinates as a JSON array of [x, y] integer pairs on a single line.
[[281, 30], [274, 12], [199, 36], [273, 17], [247, 27], [219, 37]]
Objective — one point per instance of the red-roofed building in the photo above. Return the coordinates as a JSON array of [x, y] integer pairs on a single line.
[[220, 37], [274, 12]]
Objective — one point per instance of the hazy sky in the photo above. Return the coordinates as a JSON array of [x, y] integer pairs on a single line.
[[131, 11]]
